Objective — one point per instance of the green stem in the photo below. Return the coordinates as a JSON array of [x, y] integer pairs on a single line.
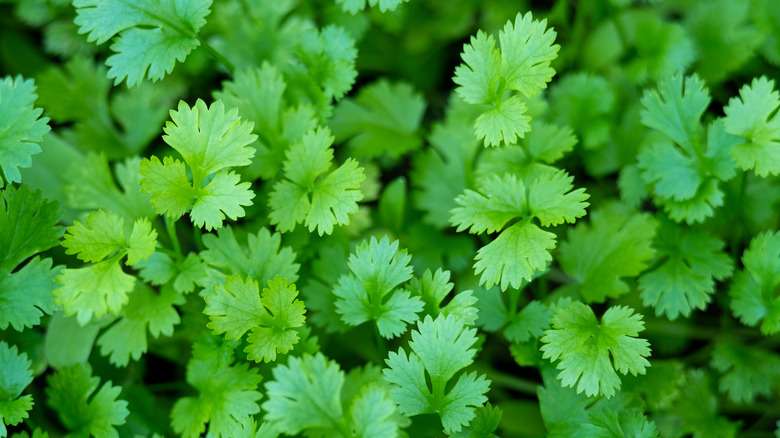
[[381, 345], [736, 232], [218, 56], [511, 382], [170, 227]]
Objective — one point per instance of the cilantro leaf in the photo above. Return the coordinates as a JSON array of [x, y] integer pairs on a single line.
[[753, 292], [326, 63], [685, 180], [441, 348], [28, 225], [305, 196], [584, 345], [237, 308], [309, 394], [14, 379], [748, 371], [690, 262], [369, 293], [522, 65], [383, 119], [753, 116], [262, 258], [501, 199], [101, 288], [434, 287], [152, 35], [545, 144], [92, 186], [71, 392], [210, 140], [145, 310], [227, 393], [585, 103], [259, 96], [354, 6], [618, 244], [21, 128]]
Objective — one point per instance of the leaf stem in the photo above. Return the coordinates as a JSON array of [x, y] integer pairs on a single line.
[[381, 345], [218, 56], [512, 382], [170, 227]]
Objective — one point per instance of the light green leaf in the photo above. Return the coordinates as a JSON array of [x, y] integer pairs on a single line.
[[21, 128]]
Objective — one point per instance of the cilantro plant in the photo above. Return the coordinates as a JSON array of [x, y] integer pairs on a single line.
[[389, 218]]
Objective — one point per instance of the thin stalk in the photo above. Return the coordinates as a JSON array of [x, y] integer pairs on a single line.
[[170, 227], [381, 345], [512, 382], [218, 56]]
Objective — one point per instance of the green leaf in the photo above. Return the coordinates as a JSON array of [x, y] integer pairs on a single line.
[[690, 262], [14, 379], [305, 394], [93, 291], [28, 225], [617, 245], [262, 258], [327, 59], [383, 119], [441, 348], [94, 241], [753, 292], [370, 292], [237, 308], [153, 36], [353, 6], [71, 392], [748, 372], [522, 65], [584, 102], [145, 310], [21, 129], [227, 393], [500, 200], [210, 140], [529, 247], [306, 196], [753, 116], [675, 109], [584, 345], [166, 181], [223, 196]]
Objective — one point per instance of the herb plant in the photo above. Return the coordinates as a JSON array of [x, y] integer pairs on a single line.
[[390, 218]]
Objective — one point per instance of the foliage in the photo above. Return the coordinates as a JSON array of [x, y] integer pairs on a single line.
[[389, 218]]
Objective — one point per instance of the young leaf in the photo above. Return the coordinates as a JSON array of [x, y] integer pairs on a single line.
[[690, 262], [28, 225], [354, 6], [618, 244], [685, 180], [440, 348], [308, 394], [501, 199], [145, 310], [753, 116], [237, 308], [102, 288], [584, 345], [747, 371], [369, 293], [383, 119], [522, 65], [152, 35], [21, 128], [15, 377], [262, 258], [71, 392], [210, 140], [753, 292], [227, 393], [305, 196]]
